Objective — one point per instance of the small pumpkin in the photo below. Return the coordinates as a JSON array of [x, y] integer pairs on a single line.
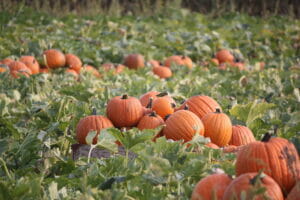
[[215, 61], [54, 58], [6, 61], [248, 184], [224, 56], [211, 187], [134, 61], [154, 63], [72, 72], [162, 72], [218, 127], [179, 60], [162, 106], [239, 65], [201, 105], [183, 125], [124, 111], [117, 68], [91, 123], [212, 145], [17, 68], [276, 156], [73, 62], [92, 70], [241, 135], [31, 63], [150, 121], [145, 98]]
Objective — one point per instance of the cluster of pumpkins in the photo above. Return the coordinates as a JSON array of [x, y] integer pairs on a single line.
[[53, 59], [277, 157]]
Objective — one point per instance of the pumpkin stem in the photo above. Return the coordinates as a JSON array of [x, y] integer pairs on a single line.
[[160, 63], [149, 105], [173, 105], [266, 137], [153, 114], [125, 96], [162, 94], [218, 110], [186, 107], [94, 111], [167, 116], [183, 57]]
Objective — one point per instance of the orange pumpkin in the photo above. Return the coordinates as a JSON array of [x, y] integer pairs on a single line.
[[73, 62], [249, 183], [224, 56], [31, 63], [179, 60], [17, 68], [218, 127], [150, 121], [162, 106], [91, 123], [201, 105], [183, 125], [6, 61], [276, 156], [295, 192], [118, 68], [72, 72], [162, 72], [134, 61], [211, 187], [154, 63], [91, 69], [3, 68], [239, 65], [145, 98], [124, 111], [54, 58], [44, 70], [212, 145], [215, 61], [241, 135]]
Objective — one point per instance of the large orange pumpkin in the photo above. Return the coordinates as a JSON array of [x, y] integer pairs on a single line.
[[162, 72], [247, 184], [211, 187], [276, 156], [183, 125], [124, 111], [31, 63], [162, 106], [91, 123], [54, 58], [241, 135], [201, 105], [134, 61], [73, 62], [150, 121], [218, 127], [224, 56]]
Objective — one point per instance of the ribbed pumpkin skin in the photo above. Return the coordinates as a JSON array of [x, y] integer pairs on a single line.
[[277, 157], [124, 112], [134, 61], [150, 122], [183, 124], [295, 192], [31, 63], [211, 186], [73, 62], [144, 99], [54, 58], [218, 128], [162, 72], [243, 183], [91, 123], [241, 135], [201, 105], [162, 106]]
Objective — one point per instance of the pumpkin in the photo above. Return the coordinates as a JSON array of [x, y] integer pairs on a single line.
[[118, 68], [72, 72], [154, 63], [6, 61], [31, 63], [224, 56], [276, 156], [17, 67], [91, 123], [239, 65], [73, 62], [3, 68], [124, 111], [134, 61], [247, 185], [295, 192], [167, 96], [54, 58], [201, 105], [218, 127], [91, 69], [241, 135], [150, 121], [215, 61], [145, 98], [183, 125], [178, 60], [211, 187], [212, 145], [162, 72], [162, 106], [231, 149], [187, 61], [44, 70]]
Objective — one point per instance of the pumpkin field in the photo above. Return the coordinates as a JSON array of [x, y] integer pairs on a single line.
[[145, 107]]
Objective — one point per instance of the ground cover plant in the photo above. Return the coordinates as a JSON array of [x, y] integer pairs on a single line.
[[39, 114]]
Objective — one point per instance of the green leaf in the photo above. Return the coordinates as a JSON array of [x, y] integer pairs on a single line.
[[90, 136]]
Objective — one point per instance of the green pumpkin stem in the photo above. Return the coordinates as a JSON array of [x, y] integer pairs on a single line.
[[218, 110], [149, 105], [266, 137], [162, 94], [94, 111], [125, 96], [153, 114]]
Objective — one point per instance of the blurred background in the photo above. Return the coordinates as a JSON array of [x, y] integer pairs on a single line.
[[152, 7]]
